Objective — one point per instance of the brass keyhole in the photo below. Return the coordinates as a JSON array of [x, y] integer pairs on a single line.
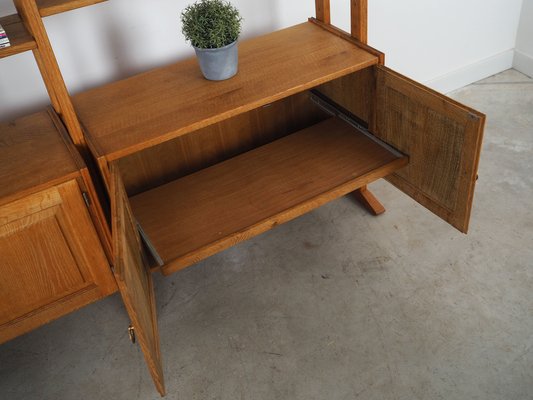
[[131, 333]]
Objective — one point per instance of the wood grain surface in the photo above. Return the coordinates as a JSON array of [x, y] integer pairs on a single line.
[[442, 138], [95, 193], [159, 105], [51, 74], [359, 19], [323, 11], [51, 7], [206, 212], [187, 154], [19, 37], [355, 92], [348, 37], [33, 156], [134, 279]]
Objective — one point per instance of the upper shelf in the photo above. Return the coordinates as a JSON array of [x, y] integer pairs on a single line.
[[19, 37], [51, 7], [133, 114]]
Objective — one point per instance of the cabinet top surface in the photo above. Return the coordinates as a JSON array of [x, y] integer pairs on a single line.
[[139, 112], [33, 156]]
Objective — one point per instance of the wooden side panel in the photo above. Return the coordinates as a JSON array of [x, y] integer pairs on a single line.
[[184, 155], [52, 261], [91, 184], [134, 279], [355, 92], [442, 138]]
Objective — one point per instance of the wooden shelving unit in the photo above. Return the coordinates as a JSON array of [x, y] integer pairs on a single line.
[[51, 7], [312, 115], [18, 35], [136, 113], [203, 213]]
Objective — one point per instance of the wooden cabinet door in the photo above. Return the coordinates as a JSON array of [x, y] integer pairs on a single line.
[[442, 139], [134, 278], [51, 261]]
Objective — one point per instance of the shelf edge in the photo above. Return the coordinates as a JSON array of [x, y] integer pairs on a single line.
[[284, 216], [46, 11]]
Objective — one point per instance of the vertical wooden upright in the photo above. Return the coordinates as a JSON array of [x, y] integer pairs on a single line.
[[359, 18], [358, 12], [323, 11], [47, 63], [62, 104], [359, 31]]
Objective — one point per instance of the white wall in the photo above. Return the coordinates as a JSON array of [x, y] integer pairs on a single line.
[[446, 44], [523, 60]]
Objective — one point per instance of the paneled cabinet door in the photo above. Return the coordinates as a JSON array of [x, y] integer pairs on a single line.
[[51, 260], [442, 139], [134, 278]]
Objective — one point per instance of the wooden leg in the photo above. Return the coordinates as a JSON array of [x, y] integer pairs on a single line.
[[369, 201]]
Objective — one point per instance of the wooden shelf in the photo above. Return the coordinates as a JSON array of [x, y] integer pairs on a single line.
[[51, 7], [130, 115], [203, 213], [33, 155], [19, 37]]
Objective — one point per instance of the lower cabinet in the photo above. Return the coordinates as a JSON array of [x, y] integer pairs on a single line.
[[306, 149], [52, 259]]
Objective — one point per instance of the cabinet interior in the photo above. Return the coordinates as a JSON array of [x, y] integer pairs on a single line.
[[200, 193], [185, 155]]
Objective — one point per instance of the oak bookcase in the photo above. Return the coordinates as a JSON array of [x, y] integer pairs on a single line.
[[191, 167]]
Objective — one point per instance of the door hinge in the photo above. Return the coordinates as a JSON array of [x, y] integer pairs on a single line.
[[131, 333], [86, 198]]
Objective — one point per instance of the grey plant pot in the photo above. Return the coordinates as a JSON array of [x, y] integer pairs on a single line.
[[219, 64]]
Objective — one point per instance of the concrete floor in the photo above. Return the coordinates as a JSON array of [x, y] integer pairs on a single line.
[[334, 305]]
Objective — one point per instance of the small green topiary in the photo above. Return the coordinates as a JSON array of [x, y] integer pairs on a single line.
[[210, 24]]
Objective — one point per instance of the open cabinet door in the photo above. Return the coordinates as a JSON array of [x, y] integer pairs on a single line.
[[134, 278], [442, 139]]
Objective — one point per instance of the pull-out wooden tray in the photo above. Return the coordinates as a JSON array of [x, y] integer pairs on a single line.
[[203, 213]]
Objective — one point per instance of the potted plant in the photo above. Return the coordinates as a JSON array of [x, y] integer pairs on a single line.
[[213, 27]]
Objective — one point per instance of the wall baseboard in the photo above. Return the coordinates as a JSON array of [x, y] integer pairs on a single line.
[[473, 72], [523, 62]]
